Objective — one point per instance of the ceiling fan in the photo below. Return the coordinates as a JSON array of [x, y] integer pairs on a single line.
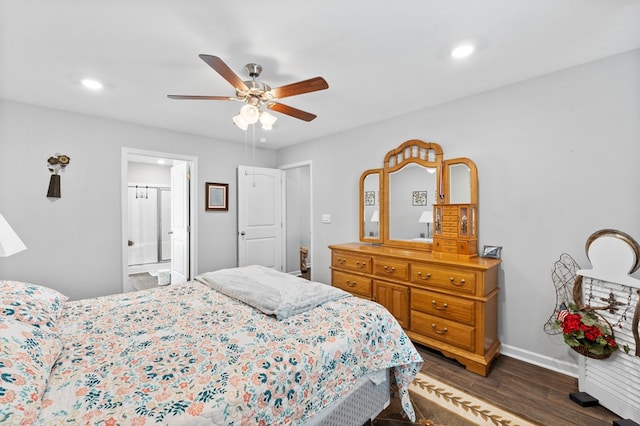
[[255, 94]]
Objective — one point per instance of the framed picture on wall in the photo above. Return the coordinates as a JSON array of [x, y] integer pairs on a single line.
[[369, 198], [419, 198], [217, 196]]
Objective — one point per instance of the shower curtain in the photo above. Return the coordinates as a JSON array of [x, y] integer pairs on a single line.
[[149, 224]]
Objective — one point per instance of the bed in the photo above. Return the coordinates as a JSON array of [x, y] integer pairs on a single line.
[[238, 346]]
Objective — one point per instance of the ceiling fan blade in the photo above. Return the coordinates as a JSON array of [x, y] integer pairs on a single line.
[[306, 86], [293, 112], [221, 68], [203, 98]]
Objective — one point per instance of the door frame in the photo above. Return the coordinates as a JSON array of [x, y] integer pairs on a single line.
[[126, 155], [284, 168]]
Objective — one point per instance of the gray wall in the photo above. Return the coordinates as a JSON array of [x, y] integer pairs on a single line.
[[557, 159], [74, 243]]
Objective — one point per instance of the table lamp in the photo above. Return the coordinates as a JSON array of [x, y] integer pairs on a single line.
[[10, 243], [426, 217]]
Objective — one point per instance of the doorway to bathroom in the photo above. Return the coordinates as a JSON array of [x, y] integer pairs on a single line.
[[158, 219]]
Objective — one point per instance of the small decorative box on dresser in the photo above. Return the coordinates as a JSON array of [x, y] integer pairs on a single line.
[[444, 301], [455, 229]]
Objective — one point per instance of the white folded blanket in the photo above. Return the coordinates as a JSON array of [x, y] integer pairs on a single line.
[[271, 291]]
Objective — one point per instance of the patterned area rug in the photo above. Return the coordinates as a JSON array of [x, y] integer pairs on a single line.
[[472, 410]]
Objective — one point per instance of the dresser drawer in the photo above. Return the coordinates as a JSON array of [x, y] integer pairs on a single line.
[[391, 269], [453, 333], [351, 262], [447, 210], [355, 284], [449, 279], [442, 305], [448, 244], [450, 231]]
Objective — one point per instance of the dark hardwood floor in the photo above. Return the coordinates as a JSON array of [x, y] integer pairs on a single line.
[[534, 393]]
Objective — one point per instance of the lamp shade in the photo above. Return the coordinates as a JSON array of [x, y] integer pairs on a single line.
[[267, 120], [10, 243], [250, 113], [426, 217], [239, 121], [375, 217]]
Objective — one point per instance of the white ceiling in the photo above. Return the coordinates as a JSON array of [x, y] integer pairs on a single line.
[[381, 59]]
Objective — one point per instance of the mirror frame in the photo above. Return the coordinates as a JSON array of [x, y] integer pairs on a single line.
[[363, 236], [446, 179], [410, 152]]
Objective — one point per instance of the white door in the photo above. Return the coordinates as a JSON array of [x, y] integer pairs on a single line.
[[260, 217], [180, 223]]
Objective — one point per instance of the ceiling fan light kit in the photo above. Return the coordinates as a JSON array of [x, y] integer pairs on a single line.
[[250, 114], [256, 94]]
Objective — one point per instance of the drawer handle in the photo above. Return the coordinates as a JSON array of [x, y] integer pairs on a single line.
[[444, 330], [424, 278], [361, 264], [351, 283], [389, 270], [462, 281], [435, 305], [341, 260]]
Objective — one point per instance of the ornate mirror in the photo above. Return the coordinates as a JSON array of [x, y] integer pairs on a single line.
[[370, 217], [410, 189], [419, 200]]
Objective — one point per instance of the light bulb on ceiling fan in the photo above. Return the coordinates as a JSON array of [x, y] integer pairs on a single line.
[[239, 121], [250, 113], [267, 120]]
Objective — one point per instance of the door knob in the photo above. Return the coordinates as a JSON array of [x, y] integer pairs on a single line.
[[242, 233]]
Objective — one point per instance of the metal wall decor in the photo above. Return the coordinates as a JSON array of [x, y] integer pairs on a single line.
[[56, 164]]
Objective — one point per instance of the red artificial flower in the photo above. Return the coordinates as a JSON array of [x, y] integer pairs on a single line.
[[591, 332], [571, 323]]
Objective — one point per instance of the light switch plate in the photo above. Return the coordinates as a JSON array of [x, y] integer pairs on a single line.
[[326, 218]]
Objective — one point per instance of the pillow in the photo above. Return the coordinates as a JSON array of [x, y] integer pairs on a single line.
[[34, 304], [27, 354]]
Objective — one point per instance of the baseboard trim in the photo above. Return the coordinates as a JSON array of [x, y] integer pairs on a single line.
[[563, 367]]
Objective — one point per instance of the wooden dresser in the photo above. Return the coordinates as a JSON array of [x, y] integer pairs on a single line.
[[443, 301]]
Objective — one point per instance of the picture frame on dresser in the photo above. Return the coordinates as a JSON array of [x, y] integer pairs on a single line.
[[494, 252]]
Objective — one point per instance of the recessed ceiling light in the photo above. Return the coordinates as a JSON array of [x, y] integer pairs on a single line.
[[92, 84], [462, 51]]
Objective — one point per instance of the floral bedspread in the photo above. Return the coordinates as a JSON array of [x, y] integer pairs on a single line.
[[186, 354]]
